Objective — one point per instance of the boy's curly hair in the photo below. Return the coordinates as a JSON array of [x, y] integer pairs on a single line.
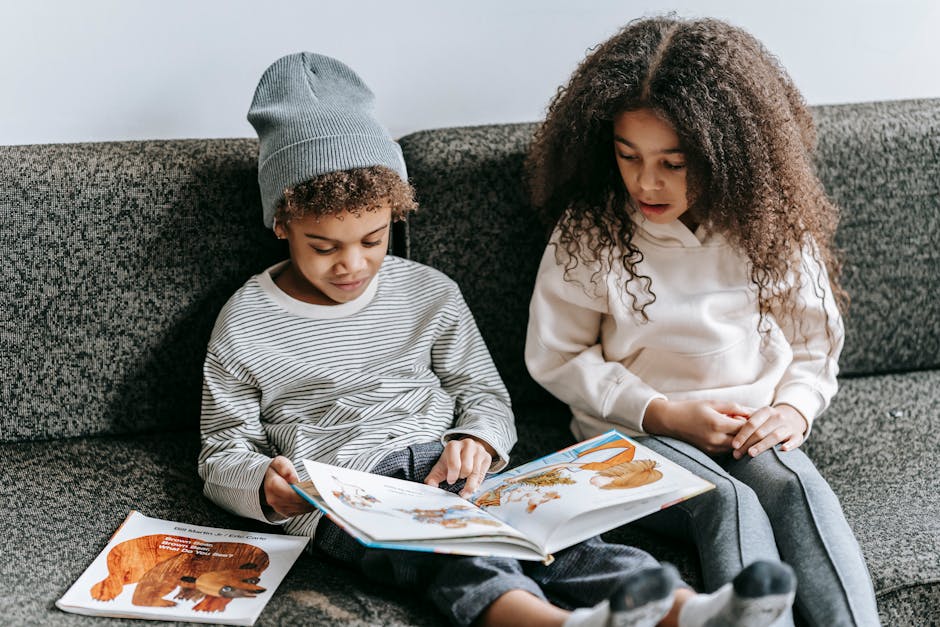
[[748, 139], [355, 191]]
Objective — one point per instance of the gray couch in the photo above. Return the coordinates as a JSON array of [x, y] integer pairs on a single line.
[[116, 258]]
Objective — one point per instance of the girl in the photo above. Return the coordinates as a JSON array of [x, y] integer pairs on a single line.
[[690, 293]]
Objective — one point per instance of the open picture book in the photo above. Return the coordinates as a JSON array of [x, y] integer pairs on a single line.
[[527, 513], [165, 570]]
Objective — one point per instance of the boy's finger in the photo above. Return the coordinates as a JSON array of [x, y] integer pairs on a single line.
[[285, 468], [451, 457], [468, 456], [475, 478], [438, 473]]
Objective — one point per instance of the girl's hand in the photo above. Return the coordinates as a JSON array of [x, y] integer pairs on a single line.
[[276, 492], [767, 427], [707, 425], [468, 458]]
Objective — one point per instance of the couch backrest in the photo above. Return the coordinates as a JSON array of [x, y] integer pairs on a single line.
[[880, 162], [115, 259], [475, 224]]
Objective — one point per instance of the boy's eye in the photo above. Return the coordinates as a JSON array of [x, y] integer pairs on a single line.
[[674, 166], [371, 244], [626, 157], [323, 251]]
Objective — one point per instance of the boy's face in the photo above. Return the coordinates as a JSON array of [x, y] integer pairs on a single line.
[[652, 165], [333, 260]]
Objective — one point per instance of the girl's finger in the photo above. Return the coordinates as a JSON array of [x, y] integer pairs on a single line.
[[793, 442], [747, 431], [772, 439]]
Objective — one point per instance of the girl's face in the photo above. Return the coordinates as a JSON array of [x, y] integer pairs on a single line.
[[652, 165], [333, 260]]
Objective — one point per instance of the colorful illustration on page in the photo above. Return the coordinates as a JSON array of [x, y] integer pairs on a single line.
[[209, 573], [353, 496], [617, 472], [451, 517]]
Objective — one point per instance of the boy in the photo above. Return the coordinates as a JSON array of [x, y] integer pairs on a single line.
[[348, 356]]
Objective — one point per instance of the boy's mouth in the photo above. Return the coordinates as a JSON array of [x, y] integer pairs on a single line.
[[350, 286]]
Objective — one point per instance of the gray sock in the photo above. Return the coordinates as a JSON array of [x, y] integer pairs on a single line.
[[641, 600], [758, 596]]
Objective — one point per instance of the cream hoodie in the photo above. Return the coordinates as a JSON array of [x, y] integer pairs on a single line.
[[589, 348]]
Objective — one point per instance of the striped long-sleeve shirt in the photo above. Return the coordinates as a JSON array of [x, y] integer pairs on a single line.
[[345, 384]]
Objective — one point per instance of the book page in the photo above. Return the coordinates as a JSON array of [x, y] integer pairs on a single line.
[[165, 570], [540, 497], [393, 510]]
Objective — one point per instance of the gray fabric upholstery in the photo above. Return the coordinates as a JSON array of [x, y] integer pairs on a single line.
[[881, 163], [116, 257], [114, 260]]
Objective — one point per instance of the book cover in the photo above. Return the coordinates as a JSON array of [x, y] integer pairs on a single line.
[[164, 570], [528, 512]]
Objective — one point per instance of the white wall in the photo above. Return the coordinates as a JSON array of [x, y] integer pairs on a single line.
[[95, 70]]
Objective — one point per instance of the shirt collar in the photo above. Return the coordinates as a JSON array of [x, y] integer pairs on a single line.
[[309, 310], [674, 233]]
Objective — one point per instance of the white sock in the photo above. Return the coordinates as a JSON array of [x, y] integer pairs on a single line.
[[641, 600], [758, 596]]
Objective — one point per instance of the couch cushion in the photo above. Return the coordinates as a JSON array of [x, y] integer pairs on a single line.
[[114, 260], [880, 162], [67, 497], [878, 447]]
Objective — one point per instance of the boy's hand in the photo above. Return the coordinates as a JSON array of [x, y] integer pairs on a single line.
[[468, 458], [767, 427], [276, 492], [707, 425]]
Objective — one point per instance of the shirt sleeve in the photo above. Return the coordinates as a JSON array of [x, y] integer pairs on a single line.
[[463, 364], [816, 336], [235, 452], [563, 351]]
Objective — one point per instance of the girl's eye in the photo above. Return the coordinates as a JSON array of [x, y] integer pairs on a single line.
[[626, 157], [674, 166], [323, 251]]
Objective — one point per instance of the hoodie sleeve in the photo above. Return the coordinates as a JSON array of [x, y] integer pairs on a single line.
[[816, 336], [563, 351]]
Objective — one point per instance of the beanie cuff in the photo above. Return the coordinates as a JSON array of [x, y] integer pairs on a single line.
[[304, 160]]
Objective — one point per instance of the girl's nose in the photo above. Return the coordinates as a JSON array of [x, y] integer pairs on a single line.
[[648, 179]]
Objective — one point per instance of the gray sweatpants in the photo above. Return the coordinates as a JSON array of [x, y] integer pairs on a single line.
[[773, 506], [462, 587]]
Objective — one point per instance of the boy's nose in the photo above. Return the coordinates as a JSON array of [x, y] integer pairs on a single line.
[[352, 262]]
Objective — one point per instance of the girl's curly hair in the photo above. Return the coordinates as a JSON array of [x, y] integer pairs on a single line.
[[355, 191], [748, 139]]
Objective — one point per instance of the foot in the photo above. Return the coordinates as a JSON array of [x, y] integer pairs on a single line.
[[757, 597], [641, 600]]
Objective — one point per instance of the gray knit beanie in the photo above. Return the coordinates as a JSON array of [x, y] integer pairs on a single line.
[[314, 115]]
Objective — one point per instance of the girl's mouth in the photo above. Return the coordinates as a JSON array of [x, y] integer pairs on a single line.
[[649, 209]]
